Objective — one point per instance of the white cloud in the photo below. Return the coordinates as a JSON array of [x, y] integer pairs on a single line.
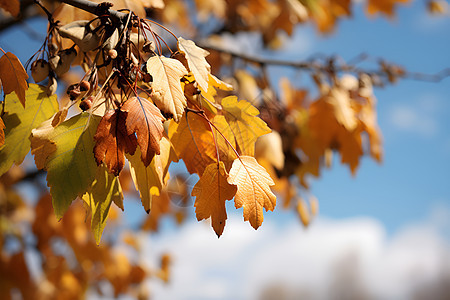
[[330, 259], [420, 117]]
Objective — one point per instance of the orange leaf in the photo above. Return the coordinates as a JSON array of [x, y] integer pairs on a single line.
[[146, 120], [11, 6], [253, 191], [112, 141], [2, 133], [212, 190], [13, 76]]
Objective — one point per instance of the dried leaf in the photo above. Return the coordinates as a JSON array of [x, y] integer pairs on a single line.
[[167, 92], [144, 119], [253, 191], [270, 148], [13, 76], [20, 122], [197, 63], [244, 123], [112, 141], [212, 190]]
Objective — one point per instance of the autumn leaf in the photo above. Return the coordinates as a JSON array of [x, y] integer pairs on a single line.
[[197, 63], [11, 6], [104, 190], [112, 141], [253, 191], [211, 192], [13, 76], [150, 179], [70, 165], [19, 123], [383, 6], [270, 148], [144, 119], [244, 123], [166, 86], [2, 133], [193, 142]]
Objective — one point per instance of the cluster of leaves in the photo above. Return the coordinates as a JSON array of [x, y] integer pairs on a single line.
[[129, 92]]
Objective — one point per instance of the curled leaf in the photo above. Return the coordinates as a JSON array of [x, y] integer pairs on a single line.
[[13, 76]]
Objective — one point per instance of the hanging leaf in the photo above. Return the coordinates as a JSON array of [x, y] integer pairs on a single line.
[[71, 167], [112, 141], [197, 63], [104, 190], [193, 142], [13, 76], [166, 86], [211, 192], [19, 123], [253, 191], [150, 179], [146, 120], [244, 123]]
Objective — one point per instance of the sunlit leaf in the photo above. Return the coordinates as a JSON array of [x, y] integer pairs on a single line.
[[211, 192], [166, 86], [104, 190], [71, 167], [13, 76], [253, 189], [20, 122]]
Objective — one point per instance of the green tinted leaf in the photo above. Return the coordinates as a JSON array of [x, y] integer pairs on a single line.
[[104, 190], [20, 121], [71, 168]]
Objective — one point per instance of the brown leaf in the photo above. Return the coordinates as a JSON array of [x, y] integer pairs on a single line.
[[212, 190], [11, 6], [253, 191], [144, 119], [112, 141], [13, 76]]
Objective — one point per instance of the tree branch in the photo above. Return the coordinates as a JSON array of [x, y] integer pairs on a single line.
[[95, 9]]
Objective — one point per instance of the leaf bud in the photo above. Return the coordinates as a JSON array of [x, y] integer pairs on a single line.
[[112, 53], [86, 104], [40, 70], [85, 86]]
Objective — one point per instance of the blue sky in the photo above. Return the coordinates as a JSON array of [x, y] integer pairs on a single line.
[[392, 216]]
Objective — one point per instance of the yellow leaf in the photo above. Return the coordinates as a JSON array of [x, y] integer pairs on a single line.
[[340, 101], [197, 63], [13, 76], [212, 190], [244, 123], [270, 148], [150, 180], [303, 212], [166, 87], [193, 142], [104, 190], [11, 6], [253, 191], [2, 133], [20, 122]]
